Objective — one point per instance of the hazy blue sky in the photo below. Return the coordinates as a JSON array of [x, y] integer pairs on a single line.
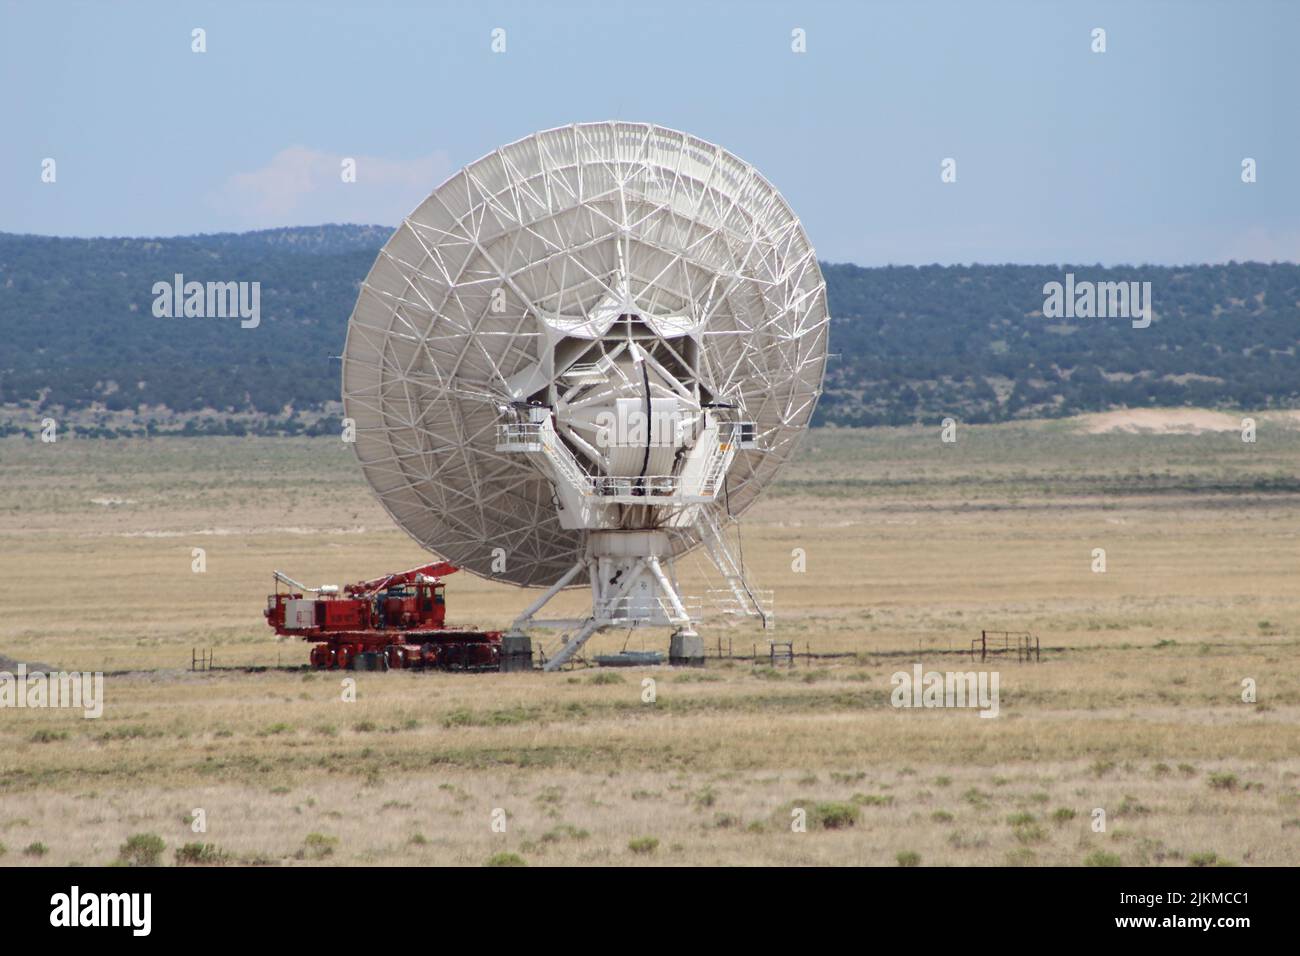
[[1063, 155]]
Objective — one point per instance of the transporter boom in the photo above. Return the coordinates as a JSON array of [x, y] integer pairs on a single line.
[[394, 621]]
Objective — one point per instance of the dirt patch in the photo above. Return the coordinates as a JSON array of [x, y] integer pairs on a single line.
[[1168, 421]]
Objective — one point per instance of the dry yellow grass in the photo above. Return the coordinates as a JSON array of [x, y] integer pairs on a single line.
[[912, 547]]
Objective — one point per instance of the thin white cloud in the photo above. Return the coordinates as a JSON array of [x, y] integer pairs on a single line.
[[302, 186]]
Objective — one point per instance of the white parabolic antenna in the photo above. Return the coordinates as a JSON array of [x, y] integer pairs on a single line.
[[582, 356]]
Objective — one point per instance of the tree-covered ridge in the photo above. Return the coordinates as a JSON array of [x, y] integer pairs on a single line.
[[917, 344], [79, 328], [78, 335]]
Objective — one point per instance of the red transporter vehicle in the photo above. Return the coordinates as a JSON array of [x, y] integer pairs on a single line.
[[397, 621]]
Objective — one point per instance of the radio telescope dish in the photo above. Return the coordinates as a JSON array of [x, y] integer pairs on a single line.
[[596, 344]]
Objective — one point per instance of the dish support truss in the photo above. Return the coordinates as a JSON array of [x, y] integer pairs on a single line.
[[634, 458], [633, 584]]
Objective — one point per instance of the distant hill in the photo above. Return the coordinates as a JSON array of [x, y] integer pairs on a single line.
[[917, 344], [78, 339]]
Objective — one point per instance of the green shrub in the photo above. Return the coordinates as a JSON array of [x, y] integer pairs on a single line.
[[834, 816], [705, 798], [48, 736], [908, 858], [872, 800], [141, 849], [643, 845], [1101, 858], [200, 854], [564, 831], [317, 846], [1062, 815], [505, 859], [1030, 833], [1223, 781], [35, 849], [1131, 807]]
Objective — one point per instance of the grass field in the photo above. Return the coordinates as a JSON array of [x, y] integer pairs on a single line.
[[912, 547]]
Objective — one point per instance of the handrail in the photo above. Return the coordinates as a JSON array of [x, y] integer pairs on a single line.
[[604, 486], [649, 485], [543, 434], [713, 469], [622, 608]]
